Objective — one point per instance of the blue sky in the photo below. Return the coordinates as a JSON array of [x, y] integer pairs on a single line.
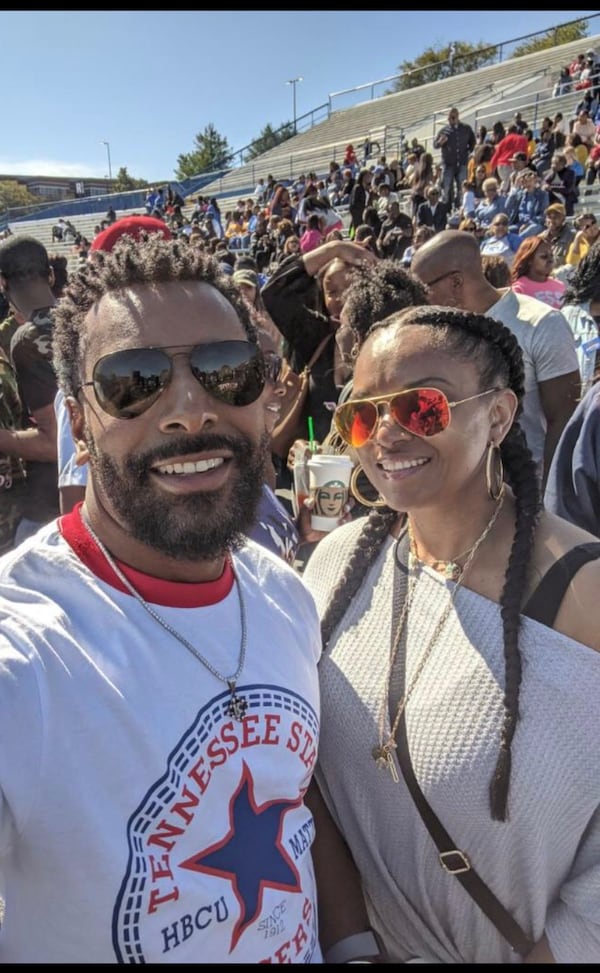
[[147, 83]]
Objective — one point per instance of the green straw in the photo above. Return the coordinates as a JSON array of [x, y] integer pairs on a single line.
[[311, 435]]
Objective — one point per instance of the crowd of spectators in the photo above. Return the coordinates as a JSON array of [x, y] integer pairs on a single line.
[[468, 256], [514, 191]]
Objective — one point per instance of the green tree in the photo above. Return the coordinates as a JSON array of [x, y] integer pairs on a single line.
[[554, 37], [124, 182], [434, 63], [211, 152], [268, 139], [12, 194]]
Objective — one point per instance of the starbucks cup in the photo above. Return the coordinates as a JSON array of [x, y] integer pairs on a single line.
[[328, 482]]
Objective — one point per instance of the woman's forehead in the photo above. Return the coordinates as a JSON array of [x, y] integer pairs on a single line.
[[397, 343], [403, 357]]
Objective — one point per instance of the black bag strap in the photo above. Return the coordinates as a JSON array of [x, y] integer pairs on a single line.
[[545, 601], [456, 862], [452, 859], [317, 352]]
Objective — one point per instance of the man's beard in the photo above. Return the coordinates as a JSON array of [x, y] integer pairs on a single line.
[[197, 526]]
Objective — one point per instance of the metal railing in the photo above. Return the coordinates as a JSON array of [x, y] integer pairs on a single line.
[[293, 160], [497, 53]]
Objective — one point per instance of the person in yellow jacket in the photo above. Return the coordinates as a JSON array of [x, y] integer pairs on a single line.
[[587, 233]]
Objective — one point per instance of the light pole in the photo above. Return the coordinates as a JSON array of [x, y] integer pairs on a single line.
[[294, 82], [107, 144]]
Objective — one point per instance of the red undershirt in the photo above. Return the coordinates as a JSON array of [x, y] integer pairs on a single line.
[[176, 594]]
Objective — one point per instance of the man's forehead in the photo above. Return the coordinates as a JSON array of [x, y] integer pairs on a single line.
[[422, 263], [137, 295], [153, 312]]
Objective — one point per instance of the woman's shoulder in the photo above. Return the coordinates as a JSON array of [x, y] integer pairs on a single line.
[[331, 555], [579, 612]]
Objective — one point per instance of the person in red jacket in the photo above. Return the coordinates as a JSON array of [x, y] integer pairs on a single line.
[[506, 148], [592, 163], [351, 159]]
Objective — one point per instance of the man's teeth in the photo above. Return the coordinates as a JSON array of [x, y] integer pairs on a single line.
[[201, 466], [393, 466]]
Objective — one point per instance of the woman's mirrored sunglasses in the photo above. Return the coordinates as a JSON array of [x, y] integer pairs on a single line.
[[421, 411], [128, 382]]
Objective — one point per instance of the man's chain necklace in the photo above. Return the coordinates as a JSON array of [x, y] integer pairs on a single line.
[[237, 705]]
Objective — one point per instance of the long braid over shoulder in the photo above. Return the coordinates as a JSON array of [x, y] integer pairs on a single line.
[[497, 355], [376, 528], [498, 352]]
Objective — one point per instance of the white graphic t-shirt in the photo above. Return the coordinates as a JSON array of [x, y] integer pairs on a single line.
[[140, 822]]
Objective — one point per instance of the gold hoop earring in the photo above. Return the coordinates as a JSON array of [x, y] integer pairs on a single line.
[[494, 472], [360, 497]]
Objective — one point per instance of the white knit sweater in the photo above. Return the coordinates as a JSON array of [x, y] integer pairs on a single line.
[[543, 863]]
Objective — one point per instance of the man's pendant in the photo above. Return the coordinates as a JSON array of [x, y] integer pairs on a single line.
[[237, 705], [383, 757]]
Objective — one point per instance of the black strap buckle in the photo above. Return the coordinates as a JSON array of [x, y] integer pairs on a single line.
[[455, 862]]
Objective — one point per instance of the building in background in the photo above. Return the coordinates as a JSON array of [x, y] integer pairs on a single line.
[[60, 187]]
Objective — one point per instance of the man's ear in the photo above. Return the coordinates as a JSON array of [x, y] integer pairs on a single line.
[[81, 452], [77, 429]]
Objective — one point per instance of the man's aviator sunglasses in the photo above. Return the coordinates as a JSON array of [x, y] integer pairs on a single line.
[[422, 411], [128, 382]]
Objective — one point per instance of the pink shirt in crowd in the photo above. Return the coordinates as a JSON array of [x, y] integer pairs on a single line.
[[549, 291]]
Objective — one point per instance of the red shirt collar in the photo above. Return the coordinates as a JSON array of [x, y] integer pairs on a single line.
[[175, 594]]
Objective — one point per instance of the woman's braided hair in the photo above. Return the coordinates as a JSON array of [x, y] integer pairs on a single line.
[[496, 352]]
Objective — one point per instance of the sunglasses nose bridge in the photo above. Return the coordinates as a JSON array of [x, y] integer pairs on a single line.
[[184, 400], [386, 420]]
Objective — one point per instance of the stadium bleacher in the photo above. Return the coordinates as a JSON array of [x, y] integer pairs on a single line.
[[494, 92]]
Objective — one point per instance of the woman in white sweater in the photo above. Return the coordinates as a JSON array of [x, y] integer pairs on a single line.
[[448, 643]]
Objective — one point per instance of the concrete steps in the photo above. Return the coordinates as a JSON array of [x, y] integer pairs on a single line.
[[492, 93]]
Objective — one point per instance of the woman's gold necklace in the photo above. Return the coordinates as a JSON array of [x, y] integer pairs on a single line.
[[450, 569], [237, 705], [383, 752]]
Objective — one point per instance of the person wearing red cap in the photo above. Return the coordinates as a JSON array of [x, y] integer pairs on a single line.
[[139, 227]]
